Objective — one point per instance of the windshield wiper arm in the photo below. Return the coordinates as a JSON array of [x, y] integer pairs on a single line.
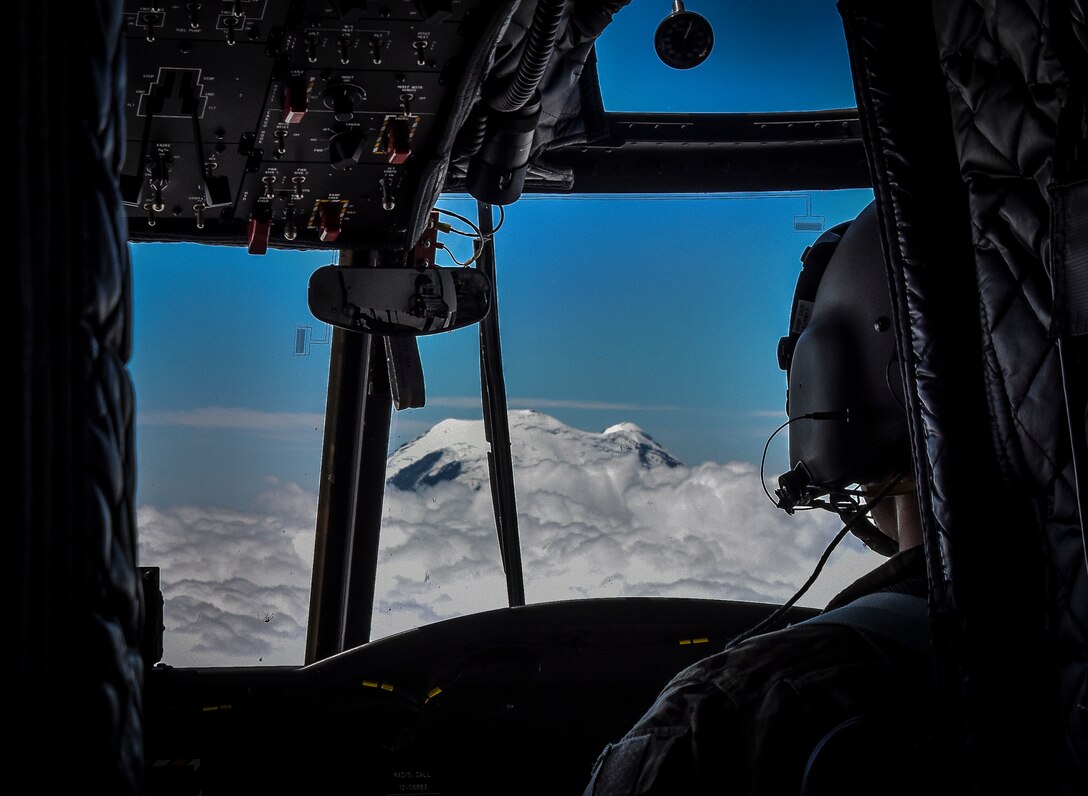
[[497, 423]]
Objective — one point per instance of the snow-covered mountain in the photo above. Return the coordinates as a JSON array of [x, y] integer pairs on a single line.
[[455, 449], [600, 514]]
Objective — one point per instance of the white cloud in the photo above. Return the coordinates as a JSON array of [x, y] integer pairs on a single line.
[[238, 418], [236, 584], [595, 521], [608, 514]]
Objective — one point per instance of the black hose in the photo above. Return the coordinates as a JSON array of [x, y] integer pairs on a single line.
[[471, 137], [539, 45]]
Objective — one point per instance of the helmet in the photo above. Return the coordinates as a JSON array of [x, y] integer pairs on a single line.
[[847, 416]]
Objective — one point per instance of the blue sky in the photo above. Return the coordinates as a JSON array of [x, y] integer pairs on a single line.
[[667, 315], [664, 313], [222, 400], [787, 55], [671, 309]]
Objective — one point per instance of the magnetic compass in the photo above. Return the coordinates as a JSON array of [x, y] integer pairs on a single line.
[[684, 39]]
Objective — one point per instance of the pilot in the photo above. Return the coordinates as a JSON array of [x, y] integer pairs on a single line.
[[829, 704]]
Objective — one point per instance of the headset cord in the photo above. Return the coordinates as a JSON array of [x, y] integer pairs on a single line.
[[779, 612]]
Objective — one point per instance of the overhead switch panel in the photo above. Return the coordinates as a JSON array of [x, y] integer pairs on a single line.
[[294, 123]]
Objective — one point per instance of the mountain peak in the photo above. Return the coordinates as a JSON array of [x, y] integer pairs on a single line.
[[457, 449]]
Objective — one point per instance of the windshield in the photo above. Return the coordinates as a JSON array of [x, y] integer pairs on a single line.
[[643, 386], [230, 371], [643, 381], [639, 339]]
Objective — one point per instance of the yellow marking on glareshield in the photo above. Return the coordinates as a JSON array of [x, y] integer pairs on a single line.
[[432, 694], [376, 684], [687, 641]]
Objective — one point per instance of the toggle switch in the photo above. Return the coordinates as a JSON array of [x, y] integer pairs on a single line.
[[388, 202], [231, 24], [420, 47], [343, 46], [290, 228]]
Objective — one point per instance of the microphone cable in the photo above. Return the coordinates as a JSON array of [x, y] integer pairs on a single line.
[[843, 415], [779, 612]]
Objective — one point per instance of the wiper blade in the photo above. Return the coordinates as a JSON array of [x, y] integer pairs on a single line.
[[497, 423]]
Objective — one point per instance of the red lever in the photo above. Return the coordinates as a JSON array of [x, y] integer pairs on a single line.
[[294, 100], [329, 227], [257, 231], [398, 141]]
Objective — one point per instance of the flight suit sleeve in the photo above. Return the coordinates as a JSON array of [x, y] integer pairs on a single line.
[[685, 734]]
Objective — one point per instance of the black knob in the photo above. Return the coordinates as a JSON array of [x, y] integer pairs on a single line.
[[343, 99], [346, 148]]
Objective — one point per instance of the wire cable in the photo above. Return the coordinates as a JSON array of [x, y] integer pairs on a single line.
[[478, 236], [763, 460], [466, 263], [779, 612], [476, 233], [845, 415]]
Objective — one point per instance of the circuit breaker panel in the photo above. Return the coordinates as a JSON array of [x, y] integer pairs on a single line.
[[293, 123]]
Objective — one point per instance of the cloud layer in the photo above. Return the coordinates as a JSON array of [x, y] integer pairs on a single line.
[[608, 514], [236, 583], [237, 418], [600, 515]]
